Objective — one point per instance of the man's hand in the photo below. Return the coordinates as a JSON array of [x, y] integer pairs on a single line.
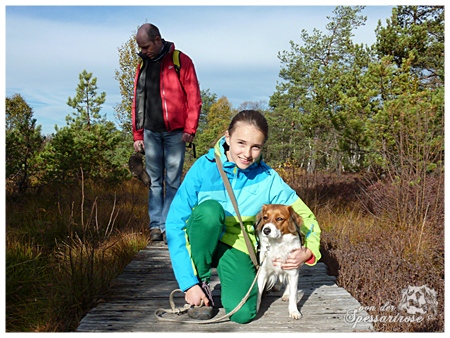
[[195, 295], [188, 138], [139, 145], [296, 258]]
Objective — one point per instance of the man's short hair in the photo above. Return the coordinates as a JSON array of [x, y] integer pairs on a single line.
[[152, 32]]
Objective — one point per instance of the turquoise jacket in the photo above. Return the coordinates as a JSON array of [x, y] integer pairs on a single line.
[[257, 185]]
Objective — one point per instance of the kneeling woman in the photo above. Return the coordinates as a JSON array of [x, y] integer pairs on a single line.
[[202, 228]]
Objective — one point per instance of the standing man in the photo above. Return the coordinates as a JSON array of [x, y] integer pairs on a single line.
[[165, 112]]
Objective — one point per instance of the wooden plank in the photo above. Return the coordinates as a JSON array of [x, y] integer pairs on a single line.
[[147, 281]]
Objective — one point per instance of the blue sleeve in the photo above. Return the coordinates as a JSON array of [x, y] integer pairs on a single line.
[[179, 212], [280, 191]]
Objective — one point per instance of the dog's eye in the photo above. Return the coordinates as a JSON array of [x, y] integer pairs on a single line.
[[280, 219], [265, 218]]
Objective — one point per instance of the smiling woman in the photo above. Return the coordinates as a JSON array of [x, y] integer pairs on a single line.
[[203, 231]]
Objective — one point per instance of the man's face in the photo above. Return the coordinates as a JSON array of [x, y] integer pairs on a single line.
[[149, 47]]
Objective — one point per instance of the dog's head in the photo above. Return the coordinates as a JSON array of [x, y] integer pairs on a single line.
[[276, 220]]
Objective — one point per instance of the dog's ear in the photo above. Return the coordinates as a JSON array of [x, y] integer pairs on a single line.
[[258, 220], [296, 220]]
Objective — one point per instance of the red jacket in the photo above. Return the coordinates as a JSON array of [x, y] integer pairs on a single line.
[[180, 97]]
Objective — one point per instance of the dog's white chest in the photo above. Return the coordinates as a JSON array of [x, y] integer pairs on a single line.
[[271, 274], [278, 248]]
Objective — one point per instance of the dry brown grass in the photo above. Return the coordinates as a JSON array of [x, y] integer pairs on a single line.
[[64, 247], [373, 256]]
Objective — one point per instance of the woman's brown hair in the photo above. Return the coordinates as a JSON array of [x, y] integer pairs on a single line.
[[252, 117]]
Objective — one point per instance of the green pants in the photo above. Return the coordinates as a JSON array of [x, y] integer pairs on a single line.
[[235, 268]]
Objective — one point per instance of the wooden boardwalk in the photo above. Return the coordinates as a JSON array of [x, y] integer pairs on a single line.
[[147, 281]]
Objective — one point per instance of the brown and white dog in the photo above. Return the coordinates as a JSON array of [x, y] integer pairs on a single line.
[[278, 228]]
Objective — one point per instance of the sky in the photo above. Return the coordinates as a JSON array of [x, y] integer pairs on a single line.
[[234, 48]]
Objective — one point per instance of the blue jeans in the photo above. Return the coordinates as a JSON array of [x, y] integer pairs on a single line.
[[164, 158]]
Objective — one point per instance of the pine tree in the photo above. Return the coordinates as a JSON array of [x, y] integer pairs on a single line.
[[86, 101], [321, 90], [128, 61], [89, 146], [418, 30], [23, 141]]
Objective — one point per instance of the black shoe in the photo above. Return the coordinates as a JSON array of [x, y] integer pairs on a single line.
[[203, 312], [156, 235], [164, 237], [200, 312]]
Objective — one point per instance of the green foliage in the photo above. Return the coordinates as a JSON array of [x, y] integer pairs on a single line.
[[407, 131], [321, 90], [208, 99], [88, 145], [418, 30], [128, 61], [217, 122], [86, 101], [23, 141], [335, 102], [407, 136], [74, 151]]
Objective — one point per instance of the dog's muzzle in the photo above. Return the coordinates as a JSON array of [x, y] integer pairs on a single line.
[[270, 230]]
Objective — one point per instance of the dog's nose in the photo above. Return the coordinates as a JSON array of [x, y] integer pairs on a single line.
[[266, 231]]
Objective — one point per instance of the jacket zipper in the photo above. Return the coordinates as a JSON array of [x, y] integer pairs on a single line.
[[165, 108]]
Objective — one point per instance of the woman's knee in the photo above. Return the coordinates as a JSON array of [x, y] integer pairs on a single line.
[[245, 314], [209, 214], [210, 206], [207, 217]]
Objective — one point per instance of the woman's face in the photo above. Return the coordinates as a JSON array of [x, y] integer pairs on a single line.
[[245, 144]]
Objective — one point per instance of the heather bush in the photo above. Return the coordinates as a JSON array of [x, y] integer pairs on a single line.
[[372, 251]]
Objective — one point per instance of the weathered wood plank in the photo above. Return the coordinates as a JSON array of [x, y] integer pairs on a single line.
[[147, 281]]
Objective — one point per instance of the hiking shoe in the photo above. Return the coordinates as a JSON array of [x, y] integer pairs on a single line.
[[203, 312], [155, 235], [200, 312]]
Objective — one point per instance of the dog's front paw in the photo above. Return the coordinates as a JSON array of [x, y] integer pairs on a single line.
[[295, 314]]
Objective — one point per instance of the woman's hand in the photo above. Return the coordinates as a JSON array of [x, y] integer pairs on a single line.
[[296, 258], [195, 295]]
